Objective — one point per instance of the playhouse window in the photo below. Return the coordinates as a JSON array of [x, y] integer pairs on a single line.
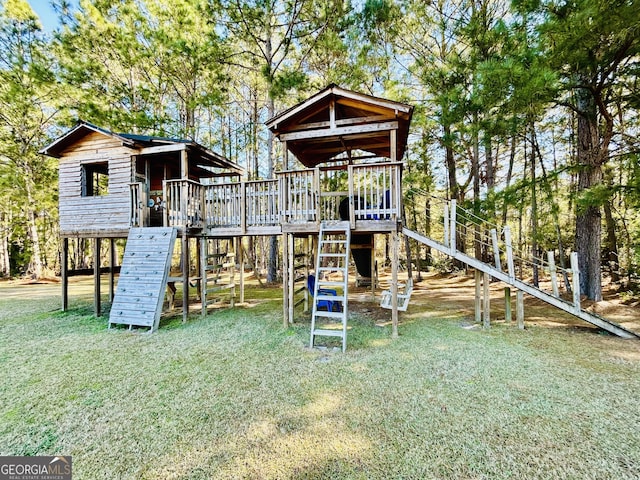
[[95, 178]]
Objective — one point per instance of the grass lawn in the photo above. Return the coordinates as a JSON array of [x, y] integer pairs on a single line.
[[237, 396]]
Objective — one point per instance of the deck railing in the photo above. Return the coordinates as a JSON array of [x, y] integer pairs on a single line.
[[261, 203], [375, 191], [223, 205], [184, 201], [299, 197], [137, 204]]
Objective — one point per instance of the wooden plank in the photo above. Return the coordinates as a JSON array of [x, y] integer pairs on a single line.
[[575, 284], [496, 248], [486, 304], [340, 131], [96, 277], [520, 309], [477, 303], [553, 273], [64, 269], [174, 147], [394, 284], [507, 305]]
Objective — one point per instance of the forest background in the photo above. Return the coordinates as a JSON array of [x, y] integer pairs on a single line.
[[526, 111]]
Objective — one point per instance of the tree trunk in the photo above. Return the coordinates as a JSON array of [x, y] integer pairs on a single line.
[[5, 266], [611, 249], [35, 263], [534, 209], [588, 218]]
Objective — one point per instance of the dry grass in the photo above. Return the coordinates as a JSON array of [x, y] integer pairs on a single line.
[[237, 396]]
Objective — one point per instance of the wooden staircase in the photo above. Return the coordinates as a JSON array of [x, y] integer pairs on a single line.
[[332, 261], [143, 277]]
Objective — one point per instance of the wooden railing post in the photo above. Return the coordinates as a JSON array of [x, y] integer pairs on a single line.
[[243, 217], [553, 273], [452, 227], [496, 248], [575, 280], [509, 249], [352, 207], [446, 224], [167, 204]]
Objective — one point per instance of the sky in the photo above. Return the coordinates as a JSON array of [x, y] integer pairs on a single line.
[[45, 12]]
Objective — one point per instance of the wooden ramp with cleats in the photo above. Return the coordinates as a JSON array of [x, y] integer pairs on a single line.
[[143, 277]]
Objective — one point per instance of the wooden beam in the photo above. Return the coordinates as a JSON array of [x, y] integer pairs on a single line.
[[332, 113], [366, 102], [112, 264], [393, 145], [520, 309], [292, 275], [96, 277], [241, 263], [185, 277], [340, 131], [285, 280], [394, 284], [486, 304], [339, 123], [204, 242], [507, 305], [184, 164], [173, 147], [64, 272], [477, 303]]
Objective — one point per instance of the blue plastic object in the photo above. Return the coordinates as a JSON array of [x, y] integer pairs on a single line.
[[322, 304]]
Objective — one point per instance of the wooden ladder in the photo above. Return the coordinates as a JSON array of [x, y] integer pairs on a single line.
[[217, 272], [333, 259]]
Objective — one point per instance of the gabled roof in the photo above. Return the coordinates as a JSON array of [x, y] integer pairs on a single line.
[[336, 121], [197, 153]]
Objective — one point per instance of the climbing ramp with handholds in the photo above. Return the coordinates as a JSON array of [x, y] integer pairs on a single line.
[[496, 243], [143, 277]]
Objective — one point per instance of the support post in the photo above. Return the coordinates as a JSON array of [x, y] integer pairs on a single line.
[[509, 249], [199, 261], [486, 313], [507, 305], [452, 227], [394, 284], [232, 274], [112, 266], [292, 275], [285, 281], [477, 305], [64, 272], [203, 275], [373, 267], [496, 248], [553, 273], [446, 224], [241, 263], [307, 256], [96, 277], [520, 309], [185, 277], [575, 287]]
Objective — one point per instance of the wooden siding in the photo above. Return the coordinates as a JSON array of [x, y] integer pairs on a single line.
[[94, 214]]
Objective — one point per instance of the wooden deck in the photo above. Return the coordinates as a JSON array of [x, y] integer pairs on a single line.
[[367, 195]]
